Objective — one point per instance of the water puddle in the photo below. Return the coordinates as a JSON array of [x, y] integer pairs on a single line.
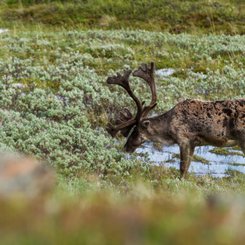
[[205, 162], [165, 72]]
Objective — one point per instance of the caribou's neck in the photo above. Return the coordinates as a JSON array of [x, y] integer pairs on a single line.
[[160, 127]]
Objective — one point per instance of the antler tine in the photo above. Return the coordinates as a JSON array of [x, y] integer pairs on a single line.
[[124, 122], [122, 80], [124, 127], [147, 73]]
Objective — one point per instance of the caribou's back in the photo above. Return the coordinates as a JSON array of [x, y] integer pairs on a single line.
[[214, 122]]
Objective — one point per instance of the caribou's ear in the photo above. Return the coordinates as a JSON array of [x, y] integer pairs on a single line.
[[146, 123]]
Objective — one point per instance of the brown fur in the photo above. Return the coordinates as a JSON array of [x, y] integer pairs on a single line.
[[193, 123]]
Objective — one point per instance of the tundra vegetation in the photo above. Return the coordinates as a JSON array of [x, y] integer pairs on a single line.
[[55, 105]]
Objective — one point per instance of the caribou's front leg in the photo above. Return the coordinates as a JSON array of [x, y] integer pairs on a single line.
[[186, 153]]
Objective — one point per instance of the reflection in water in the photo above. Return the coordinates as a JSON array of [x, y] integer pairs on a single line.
[[217, 166]]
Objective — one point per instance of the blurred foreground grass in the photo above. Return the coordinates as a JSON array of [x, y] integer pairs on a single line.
[[145, 208], [141, 216]]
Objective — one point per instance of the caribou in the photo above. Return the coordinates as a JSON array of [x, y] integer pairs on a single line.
[[190, 123]]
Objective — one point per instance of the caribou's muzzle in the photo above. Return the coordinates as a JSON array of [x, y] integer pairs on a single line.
[[129, 149]]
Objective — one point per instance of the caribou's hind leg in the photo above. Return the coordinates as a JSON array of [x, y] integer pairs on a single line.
[[186, 153], [242, 144], [240, 140]]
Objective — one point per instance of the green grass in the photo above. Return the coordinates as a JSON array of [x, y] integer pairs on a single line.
[[224, 151], [174, 16]]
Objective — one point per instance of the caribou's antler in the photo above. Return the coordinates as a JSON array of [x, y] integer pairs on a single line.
[[124, 116], [147, 73], [126, 119], [125, 125]]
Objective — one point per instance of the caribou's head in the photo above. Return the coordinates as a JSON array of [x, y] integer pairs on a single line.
[[138, 135], [136, 128]]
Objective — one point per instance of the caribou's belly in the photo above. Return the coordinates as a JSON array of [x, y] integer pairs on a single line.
[[220, 142]]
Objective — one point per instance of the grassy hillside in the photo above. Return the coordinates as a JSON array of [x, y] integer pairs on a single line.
[[220, 16], [56, 81], [70, 69]]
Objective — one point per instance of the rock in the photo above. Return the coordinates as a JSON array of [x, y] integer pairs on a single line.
[[24, 176]]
